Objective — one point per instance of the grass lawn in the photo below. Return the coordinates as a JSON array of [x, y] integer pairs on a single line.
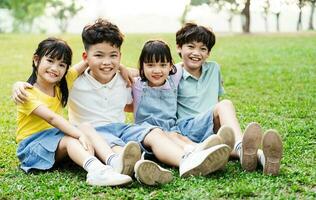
[[270, 78]]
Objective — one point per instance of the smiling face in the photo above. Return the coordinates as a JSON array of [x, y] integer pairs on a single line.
[[50, 70], [103, 61], [193, 55], [157, 72]]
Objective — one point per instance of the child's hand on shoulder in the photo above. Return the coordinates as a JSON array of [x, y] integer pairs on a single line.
[[19, 93]]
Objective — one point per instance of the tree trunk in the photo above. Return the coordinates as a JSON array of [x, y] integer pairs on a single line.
[[246, 14], [277, 15], [266, 26], [299, 21], [230, 23], [184, 14], [311, 20]]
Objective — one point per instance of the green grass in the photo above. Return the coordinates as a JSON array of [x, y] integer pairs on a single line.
[[270, 78]]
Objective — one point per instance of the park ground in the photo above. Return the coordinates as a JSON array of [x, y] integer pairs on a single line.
[[271, 79]]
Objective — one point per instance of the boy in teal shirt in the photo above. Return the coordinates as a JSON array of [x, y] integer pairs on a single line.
[[198, 97]]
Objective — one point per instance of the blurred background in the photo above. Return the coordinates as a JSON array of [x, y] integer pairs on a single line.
[[158, 16]]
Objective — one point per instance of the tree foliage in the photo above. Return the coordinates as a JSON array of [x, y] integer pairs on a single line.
[[64, 11], [24, 12]]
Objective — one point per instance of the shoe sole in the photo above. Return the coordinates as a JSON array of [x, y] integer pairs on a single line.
[[150, 173], [214, 161], [250, 145], [272, 149], [130, 156], [227, 135]]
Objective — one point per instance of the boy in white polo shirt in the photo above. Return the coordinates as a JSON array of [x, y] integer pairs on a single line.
[[99, 97]]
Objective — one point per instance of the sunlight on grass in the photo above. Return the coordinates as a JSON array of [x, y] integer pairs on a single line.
[[270, 78]]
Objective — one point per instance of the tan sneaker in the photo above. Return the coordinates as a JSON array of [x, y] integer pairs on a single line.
[[250, 144], [150, 173], [272, 149], [227, 135], [127, 159]]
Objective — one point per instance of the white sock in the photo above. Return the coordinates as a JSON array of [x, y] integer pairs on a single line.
[[92, 163], [261, 157], [237, 147], [113, 160]]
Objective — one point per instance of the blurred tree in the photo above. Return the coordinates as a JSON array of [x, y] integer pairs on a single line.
[[6, 5], [234, 6], [24, 12], [184, 14], [64, 11], [265, 14], [311, 16], [246, 14], [300, 5]]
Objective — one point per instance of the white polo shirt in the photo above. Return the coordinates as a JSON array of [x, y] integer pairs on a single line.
[[97, 103]]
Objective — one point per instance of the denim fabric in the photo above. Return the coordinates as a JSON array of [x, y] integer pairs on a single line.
[[38, 150], [159, 107], [120, 133]]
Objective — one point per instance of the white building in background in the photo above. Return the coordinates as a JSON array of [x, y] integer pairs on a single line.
[[153, 16]]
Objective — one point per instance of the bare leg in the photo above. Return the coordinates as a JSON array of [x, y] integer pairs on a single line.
[[71, 147], [180, 140], [102, 149], [225, 112], [164, 149]]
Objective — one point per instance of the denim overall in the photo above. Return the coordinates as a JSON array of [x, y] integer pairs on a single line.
[[158, 106]]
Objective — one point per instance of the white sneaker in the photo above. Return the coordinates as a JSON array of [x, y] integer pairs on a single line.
[[204, 162], [250, 144], [107, 177], [150, 173], [127, 159], [211, 141], [226, 133]]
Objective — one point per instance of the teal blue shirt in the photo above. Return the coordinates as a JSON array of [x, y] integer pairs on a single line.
[[197, 95]]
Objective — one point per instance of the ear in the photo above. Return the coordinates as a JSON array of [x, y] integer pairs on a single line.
[[36, 60], [84, 56], [178, 49]]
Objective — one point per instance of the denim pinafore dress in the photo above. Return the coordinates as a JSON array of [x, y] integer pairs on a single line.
[[158, 106]]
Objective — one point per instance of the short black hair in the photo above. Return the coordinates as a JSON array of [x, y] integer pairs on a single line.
[[155, 51], [192, 32], [102, 31]]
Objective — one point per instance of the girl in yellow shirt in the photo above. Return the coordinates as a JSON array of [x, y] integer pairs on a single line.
[[44, 136]]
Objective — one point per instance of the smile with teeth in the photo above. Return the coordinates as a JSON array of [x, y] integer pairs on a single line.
[[52, 74], [106, 69], [195, 59]]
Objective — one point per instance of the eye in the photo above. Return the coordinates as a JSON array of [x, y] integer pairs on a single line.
[[204, 49], [113, 56], [98, 55], [190, 46], [50, 60], [63, 65], [164, 65]]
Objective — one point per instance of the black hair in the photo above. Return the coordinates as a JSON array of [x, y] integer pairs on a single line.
[[192, 32], [56, 49], [155, 51], [102, 31]]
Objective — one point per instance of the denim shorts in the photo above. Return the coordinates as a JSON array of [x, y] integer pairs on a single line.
[[118, 134], [196, 128], [38, 150]]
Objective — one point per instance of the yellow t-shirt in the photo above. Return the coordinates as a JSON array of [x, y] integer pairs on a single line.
[[29, 123]]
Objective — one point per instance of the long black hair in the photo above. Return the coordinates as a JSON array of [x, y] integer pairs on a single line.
[[155, 51], [56, 49]]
